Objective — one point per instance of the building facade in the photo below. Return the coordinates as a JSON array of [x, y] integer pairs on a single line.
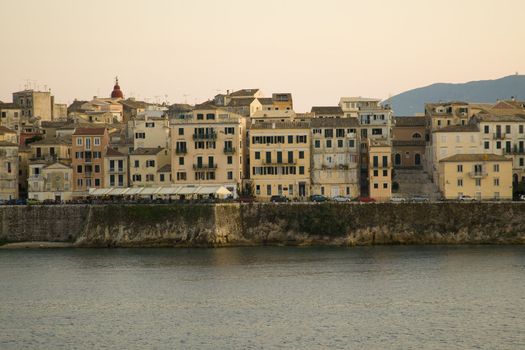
[[408, 142], [280, 159], [8, 170], [335, 157], [380, 170], [88, 147], [145, 164], [50, 182]]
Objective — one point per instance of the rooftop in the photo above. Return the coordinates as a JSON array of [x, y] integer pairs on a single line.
[[327, 110], [89, 131], [7, 144], [111, 152], [165, 169], [244, 93], [147, 151], [409, 121], [5, 130], [476, 158], [459, 128], [333, 122]]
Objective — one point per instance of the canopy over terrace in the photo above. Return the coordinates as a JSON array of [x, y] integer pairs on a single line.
[[186, 191]]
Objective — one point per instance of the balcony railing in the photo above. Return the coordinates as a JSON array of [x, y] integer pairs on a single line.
[[477, 174], [229, 150], [208, 136], [279, 162], [116, 170], [499, 136], [204, 166]]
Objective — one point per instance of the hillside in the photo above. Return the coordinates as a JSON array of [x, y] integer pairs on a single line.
[[413, 101]]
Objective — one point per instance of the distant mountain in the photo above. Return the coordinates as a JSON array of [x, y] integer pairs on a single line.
[[413, 101]]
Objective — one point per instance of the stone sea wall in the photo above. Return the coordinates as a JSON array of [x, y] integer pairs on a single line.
[[260, 224]]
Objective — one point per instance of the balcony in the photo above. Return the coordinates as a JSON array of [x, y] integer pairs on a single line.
[[116, 170], [514, 151], [181, 150], [204, 166], [205, 137], [279, 162], [229, 150], [477, 174], [499, 136]]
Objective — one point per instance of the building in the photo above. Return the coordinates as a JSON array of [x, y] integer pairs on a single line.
[[8, 135], [480, 176], [145, 164], [351, 106], [132, 108], [280, 159], [278, 102], [451, 140], [50, 181], [273, 116], [502, 132], [408, 142], [51, 150], [149, 132], [10, 116], [88, 147], [24, 154], [335, 157], [380, 170], [8, 170], [208, 147], [440, 115], [115, 168], [33, 103]]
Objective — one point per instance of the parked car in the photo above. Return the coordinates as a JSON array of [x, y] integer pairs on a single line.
[[419, 199], [318, 198], [366, 199], [464, 198], [398, 200], [342, 199], [279, 199], [32, 201]]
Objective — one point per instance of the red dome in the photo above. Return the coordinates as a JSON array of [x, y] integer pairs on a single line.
[[117, 93]]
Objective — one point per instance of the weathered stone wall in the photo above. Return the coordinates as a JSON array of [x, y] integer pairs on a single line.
[[256, 224]]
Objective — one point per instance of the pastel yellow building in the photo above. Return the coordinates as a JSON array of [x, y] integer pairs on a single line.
[[480, 176], [144, 166], [380, 170], [451, 140], [50, 181], [440, 115], [10, 116], [149, 132], [335, 157], [208, 147], [280, 159]]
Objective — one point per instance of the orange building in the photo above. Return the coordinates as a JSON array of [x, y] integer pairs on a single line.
[[88, 148]]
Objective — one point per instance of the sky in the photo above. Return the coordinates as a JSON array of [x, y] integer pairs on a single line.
[[190, 50]]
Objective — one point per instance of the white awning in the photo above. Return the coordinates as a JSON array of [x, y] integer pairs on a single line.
[[134, 190], [148, 191], [118, 191], [186, 190], [169, 190], [99, 191]]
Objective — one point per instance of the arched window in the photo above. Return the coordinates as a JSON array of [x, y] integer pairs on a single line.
[[397, 159], [417, 159], [416, 135]]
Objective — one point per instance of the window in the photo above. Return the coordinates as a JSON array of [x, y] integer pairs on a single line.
[[137, 164], [96, 141], [257, 155], [301, 170], [229, 160], [229, 130], [150, 163], [460, 182], [496, 168], [322, 190], [79, 141], [301, 139], [181, 131], [328, 143], [351, 143], [340, 132], [376, 185], [181, 176], [496, 181], [385, 172], [290, 138], [521, 129], [268, 157], [97, 182], [498, 144], [210, 116], [486, 129], [290, 157], [486, 144], [140, 135], [150, 124], [230, 175], [328, 132], [507, 129], [460, 168], [258, 189], [317, 144], [181, 160], [385, 185], [161, 177], [340, 143], [478, 182], [521, 161], [150, 178], [269, 190], [376, 172], [79, 169], [385, 161], [301, 154], [97, 168], [200, 116]]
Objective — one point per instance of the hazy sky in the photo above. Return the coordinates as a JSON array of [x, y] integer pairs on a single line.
[[318, 50]]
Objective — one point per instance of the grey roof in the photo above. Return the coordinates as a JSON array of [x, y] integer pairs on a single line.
[[500, 117], [459, 128], [409, 121], [265, 100], [327, 110], [147, 151], [165, 169], [241, 102], [244, 93], [414, 143], [475, 158], [53, 141]]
